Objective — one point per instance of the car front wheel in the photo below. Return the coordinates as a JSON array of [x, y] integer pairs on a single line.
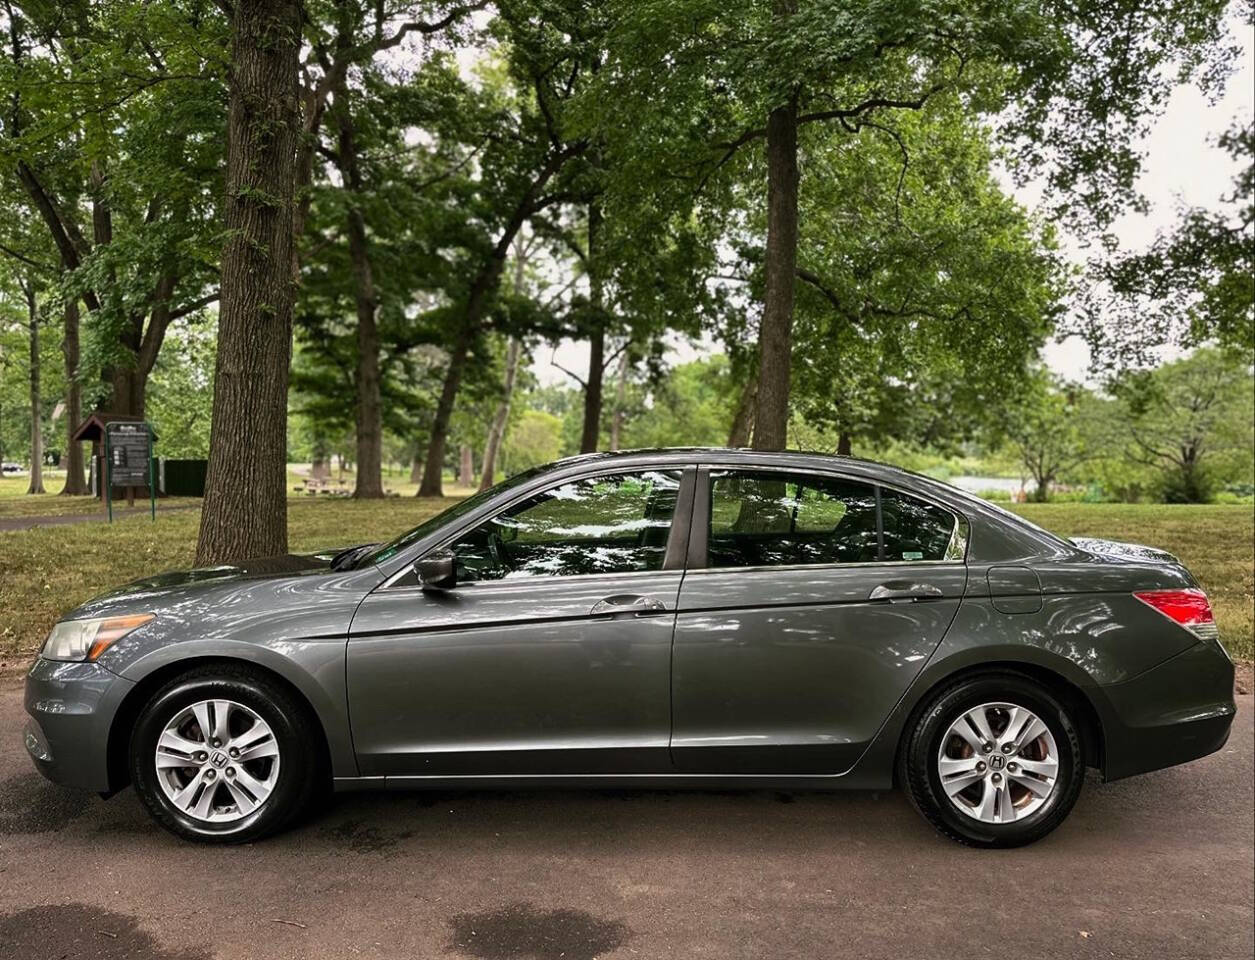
[[223, 755], [994, 761]]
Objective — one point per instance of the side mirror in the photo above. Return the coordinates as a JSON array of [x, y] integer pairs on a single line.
[[438, 571]]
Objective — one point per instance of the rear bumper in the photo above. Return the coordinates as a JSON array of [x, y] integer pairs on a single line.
[[71, 708], [1173, 713]]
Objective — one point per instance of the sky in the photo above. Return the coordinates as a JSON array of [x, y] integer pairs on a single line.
[[1182, 166]]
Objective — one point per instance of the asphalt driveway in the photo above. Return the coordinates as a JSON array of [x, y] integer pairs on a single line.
[[1161, 866]]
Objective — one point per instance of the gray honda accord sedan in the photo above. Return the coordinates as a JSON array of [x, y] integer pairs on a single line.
[[678, 618]]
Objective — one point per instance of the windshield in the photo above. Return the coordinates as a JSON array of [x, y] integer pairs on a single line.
[[459, 509]]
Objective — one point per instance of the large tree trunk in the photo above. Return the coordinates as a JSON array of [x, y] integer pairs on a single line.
[[432, 484], [496, 431], [591, 432], [844, 444], [75, 481], [369, 407], [37, 420], [245, 509], [466, 466], [743, 420], [620, 398], [775, 336]]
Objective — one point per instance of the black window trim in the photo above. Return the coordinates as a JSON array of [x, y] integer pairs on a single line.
[[698, 545]]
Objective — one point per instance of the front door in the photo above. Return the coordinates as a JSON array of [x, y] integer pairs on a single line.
[[552, 655], [811, 603]]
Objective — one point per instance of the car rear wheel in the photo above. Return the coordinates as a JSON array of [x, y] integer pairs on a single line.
[[223, 755], [994, 761]]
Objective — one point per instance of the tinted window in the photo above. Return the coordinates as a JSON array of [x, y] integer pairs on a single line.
[[915, 530], [432, 524], [609, 524], [773, 519]]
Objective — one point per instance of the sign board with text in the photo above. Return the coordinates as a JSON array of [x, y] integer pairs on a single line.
[[128, 461]]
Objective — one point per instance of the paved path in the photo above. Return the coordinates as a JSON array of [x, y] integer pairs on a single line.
[[1159, 867], [26, 523]]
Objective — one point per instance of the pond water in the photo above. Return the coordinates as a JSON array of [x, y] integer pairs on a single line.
[[977, 484]]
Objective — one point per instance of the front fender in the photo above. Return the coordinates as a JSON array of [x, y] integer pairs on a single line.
[[315, 668]]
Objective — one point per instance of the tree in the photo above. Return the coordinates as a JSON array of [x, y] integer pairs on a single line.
[[1191, 420], [501, 416], [181, 404], [355, 40], [1070, 86], [75, 481], [1194, 285], [1055, 428], [523, 164], [112, 129], [925, 290], [37, 438], [245, 509], [535, 440]]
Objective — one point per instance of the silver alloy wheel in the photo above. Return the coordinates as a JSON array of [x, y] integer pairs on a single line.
[[217, 761], [998, 763]]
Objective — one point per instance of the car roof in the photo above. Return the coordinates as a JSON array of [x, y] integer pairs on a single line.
[[748, 456]]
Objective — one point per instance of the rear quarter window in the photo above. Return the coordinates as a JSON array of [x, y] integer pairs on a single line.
[[915, 530]]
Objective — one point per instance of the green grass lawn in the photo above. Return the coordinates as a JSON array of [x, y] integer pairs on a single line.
[[48, 570]]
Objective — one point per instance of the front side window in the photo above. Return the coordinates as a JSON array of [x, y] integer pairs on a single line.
[[783, 519], [616, 523]]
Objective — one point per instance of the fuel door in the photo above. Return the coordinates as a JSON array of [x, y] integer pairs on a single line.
[[1014, 589]]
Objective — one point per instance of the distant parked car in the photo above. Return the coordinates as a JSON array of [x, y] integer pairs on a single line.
[[693, 618], [10, 467]]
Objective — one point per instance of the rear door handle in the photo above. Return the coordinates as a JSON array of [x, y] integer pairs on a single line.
[[627, 603], [905, 591]]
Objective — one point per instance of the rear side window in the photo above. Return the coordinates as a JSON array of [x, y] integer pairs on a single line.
[[916, 530], [769, 518], [781, 519]]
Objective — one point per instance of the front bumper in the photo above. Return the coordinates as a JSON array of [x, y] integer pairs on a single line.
[[1173, 713], [71, 708]]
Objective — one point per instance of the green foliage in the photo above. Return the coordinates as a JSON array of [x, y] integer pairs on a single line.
[[536, 438], [926, 290], [180, 393], [113, 140], [691, 405], [1056, 428], [1193, 421], [1194, 285]]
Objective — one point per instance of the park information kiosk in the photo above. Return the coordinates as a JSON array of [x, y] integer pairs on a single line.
[[129, 461]]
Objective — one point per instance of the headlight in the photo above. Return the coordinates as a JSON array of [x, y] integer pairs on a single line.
[[88, 639]]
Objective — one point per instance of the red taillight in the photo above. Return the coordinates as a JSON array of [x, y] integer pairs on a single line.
[[1189, 608]]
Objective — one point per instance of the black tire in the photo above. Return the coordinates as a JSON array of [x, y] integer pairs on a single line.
[[298, 778], [918, 771]]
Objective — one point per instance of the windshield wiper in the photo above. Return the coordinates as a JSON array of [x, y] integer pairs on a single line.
[[345, 559]]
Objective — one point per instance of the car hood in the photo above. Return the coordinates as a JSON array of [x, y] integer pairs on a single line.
[[164, 587], [1125, 551]]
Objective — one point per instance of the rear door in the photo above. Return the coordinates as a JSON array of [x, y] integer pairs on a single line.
[[552, 655], [810, 603]]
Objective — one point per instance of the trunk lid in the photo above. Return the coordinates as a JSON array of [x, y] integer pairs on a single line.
[[1125, 551]]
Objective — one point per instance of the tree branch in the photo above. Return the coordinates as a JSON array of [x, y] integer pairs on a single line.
[[42, 267]]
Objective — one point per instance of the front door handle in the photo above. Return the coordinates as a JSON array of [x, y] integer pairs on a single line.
[[627, 603], [905, 591]]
